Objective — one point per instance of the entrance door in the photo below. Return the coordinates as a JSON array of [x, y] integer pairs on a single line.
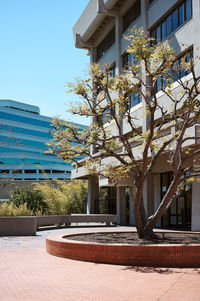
[[179, 213]]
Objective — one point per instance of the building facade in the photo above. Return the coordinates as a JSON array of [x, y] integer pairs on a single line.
[[24, 135], [100, 29]]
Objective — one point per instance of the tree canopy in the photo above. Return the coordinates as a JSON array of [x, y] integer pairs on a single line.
[[121, 142]]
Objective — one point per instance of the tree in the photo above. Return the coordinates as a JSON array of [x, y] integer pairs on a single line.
[[164, 133]]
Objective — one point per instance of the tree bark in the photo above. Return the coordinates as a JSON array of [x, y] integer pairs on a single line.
[[153, 220]]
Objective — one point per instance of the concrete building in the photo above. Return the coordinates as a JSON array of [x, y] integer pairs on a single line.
[[23, 150], [100, 30]]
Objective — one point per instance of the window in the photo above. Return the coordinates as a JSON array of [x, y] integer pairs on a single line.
[[30, 171], [17, 171], [135, 98], [107, 42], [129, 59], [22, 119], [177, 17], [112, 71], [12, 129], [45, 171], [161, 82], [57, 171], [107, 116], [132, 14], [5, 170]]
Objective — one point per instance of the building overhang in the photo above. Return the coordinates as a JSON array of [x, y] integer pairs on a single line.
[[92, 17]]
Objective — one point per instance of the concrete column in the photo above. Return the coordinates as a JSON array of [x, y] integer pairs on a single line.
[[157, 195], [195, 206], [121, 205], [131, 204], [148, 195], [118, 35], [93, 195], [145, 194], [144, 21]]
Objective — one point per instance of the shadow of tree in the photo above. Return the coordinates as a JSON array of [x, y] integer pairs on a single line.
[[162, 270], [149, 269]]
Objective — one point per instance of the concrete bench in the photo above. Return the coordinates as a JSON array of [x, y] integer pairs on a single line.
[[50, 220], [93, 218], [67, 220]]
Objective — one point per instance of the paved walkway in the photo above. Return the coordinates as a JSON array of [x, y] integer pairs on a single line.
[[28, 273]]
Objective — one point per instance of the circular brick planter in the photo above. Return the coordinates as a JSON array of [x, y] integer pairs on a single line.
[[171, 255]]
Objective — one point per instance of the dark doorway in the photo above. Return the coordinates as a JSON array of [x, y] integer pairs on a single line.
[[107, 202], [178, 215]]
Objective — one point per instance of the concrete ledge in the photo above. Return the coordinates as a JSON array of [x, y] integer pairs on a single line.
[[177, 255], [17, 225], [51, 220], [93, 218], [75, 218]]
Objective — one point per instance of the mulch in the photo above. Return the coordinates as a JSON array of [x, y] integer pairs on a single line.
[[133, 239]]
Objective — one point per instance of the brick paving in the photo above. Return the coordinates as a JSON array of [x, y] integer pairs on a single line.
[[28, 273]]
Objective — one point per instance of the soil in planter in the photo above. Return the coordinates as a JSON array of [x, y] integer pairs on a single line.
[[132, 238]]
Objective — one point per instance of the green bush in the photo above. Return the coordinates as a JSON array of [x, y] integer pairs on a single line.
[[33, 198], [10, 209], [64, 197]]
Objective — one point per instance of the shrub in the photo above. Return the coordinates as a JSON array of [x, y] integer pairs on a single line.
[[10, 209], [33, 198], [65, 198]]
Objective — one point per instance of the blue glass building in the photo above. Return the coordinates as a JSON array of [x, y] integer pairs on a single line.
[[23, 150]]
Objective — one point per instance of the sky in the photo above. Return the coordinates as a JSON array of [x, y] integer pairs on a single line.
[[37, 53]]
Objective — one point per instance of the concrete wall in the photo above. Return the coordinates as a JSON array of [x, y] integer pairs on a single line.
[[19, 225]]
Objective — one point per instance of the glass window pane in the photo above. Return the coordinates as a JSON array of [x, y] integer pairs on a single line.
[[181, 14], [173, 207], [188, 9], [175, 19], [158, 34], [169, 24], [173, 220], [164, 32], [158, 84]]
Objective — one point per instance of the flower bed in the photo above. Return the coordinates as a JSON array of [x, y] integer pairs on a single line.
[[164, 255]]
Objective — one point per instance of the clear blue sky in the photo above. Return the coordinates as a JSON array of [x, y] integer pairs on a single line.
[[37, 53]]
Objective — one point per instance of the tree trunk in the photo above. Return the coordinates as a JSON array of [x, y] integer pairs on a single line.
[[153, 220], [140, 215]]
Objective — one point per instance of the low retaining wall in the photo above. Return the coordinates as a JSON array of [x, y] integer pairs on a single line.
[[17, 225], [51, 220], [124, 254], [27, 225], [75, 218], [93, 218]]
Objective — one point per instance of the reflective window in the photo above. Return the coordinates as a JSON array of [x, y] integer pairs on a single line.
[[22, 119], [107, 42], [181, 72], [135, 98], [188, 9], [175, 20], [25, 131], [24, 142], [19, 150], [132, 14], [128, 59], [177, 17], [23, 160], [112, 71]]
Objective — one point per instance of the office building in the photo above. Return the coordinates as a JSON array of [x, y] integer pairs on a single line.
[[100, 30]]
